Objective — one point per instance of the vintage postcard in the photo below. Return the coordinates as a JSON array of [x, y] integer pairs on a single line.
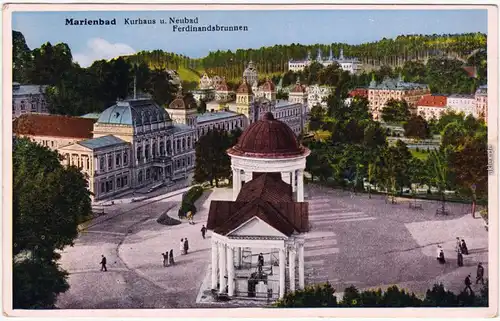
[[189, 160]]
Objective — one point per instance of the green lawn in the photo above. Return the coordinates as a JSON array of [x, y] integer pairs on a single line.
[[187, 75], [419, 155]]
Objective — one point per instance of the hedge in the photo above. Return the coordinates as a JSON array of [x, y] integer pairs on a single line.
[[189, 199]]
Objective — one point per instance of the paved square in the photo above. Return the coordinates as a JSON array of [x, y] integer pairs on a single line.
[[353, 240]]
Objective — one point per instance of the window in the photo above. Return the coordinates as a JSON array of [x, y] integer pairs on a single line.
[[139, 153], [110, 185], [162, 149], [87, 161], [178, 144], [125, 181], [125, 156], [148, 173], [146, 149], [101, 163], [23, 105], [139, 177], [154, 149], [110, 162], [103, 188], [118, 159], [189, 142], [118, 182]]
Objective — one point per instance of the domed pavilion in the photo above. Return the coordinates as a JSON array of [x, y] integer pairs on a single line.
[[260, 234]]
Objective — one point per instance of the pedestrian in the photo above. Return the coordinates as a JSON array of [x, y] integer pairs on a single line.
[[165, 259], [467, 284], [103, 264], [203, 231], [260, 262], [458, 245], [480, 273], [460, 258], [465, 250], [186, 246], [171, 257], [181, 247]]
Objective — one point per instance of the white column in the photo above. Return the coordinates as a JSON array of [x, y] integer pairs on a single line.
[[300, 186], [235, 183], [238, 257], [214, 264], [301, 266], [282, 263], [294, 186], [291, 267], [230, 271], [222, 268]]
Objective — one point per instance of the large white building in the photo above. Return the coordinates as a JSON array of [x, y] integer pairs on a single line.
[[318, 95], [352, 65], [481, 97], [462, 104], [28, 99]]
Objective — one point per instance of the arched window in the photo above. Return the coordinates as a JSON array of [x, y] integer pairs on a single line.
[[183, 143], [139, 153], [146, 149], [162, 149], [189, 142], [154, 149], [139, 177]]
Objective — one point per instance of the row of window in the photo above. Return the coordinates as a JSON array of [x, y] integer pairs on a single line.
[[182, 163], [107, 186], [227, 125], [121, 159]]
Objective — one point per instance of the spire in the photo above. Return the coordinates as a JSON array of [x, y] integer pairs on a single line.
[[244, 79], [309, 55], [341, 54], [319, 55], [330, 57]]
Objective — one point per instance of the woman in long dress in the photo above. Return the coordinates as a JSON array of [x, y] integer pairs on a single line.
[[171, 257]]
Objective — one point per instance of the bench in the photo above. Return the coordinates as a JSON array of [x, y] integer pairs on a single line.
[[415, 205]]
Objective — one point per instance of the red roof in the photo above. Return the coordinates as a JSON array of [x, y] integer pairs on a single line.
[[53, 125], [432, 101], [360, 92], [266, 197], [244, 88], [298, 88], [268, 86], [268, 138]]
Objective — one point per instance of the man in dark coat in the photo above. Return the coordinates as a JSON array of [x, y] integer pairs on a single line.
[[186, 246], [203, 231], [465, 250], [467, 284], [103, 264], [480, 273]]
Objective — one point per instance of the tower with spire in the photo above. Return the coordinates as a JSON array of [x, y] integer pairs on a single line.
[[244, 98], [330, 57], [341, 54], [182, 112], [298, 94]]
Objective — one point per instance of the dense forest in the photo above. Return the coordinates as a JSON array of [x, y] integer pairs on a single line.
[[434, 59]]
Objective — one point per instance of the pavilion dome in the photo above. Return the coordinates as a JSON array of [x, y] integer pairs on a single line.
[[134, 112], [268, 138]]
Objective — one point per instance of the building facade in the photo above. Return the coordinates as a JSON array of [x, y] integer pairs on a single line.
[[462, 104], [481, 98], [352, 65], [318, 95], [432, 106], [28, 99], [379, 94]]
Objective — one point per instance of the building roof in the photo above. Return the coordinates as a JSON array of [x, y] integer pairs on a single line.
[[179, 102], [245, 87], [432, 101], [282, 103], [396, 84], [360, 92], [102, 142], [223, 86], [461, 96], [298, 87], [20, 90], [53, 125], [266, 197], [210, 116], [92, 115], [180, 128], [268, 138], [268, 86], [134, 112]]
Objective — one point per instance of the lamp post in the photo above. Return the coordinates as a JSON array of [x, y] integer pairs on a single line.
[[473, 188]]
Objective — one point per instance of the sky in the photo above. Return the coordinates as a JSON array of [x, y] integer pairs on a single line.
[[265, 28]]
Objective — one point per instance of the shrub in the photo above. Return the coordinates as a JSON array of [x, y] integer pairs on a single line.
[[164, 219], [189, 199], [317, 295]]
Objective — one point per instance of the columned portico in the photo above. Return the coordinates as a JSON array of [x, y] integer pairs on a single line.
[[222, 267], [215, 264]]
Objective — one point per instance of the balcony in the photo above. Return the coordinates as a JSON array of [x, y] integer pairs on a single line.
[[162, 161]]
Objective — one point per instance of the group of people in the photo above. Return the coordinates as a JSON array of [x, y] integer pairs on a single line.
[[168, 258], [461, 249], [184, 246], [479, 278]]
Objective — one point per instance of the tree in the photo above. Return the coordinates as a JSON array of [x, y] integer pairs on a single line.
[[439, 176], [212, 161], [416, 127], [393, 168], [49, 202], [202, 107], [316, 117], [317, 295], [395, 111], [21, 57], [469, 165]]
